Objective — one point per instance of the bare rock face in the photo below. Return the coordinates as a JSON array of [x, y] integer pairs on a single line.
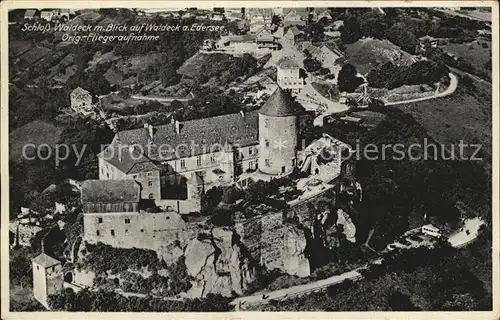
[[295, 261], [218, 265], [170, 252]]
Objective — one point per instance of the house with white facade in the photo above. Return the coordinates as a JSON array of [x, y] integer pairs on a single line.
[[289, 75]]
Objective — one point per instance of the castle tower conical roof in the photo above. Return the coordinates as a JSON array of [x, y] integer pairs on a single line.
[[280, 104]]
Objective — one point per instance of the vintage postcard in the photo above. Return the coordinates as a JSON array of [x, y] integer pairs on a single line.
[[240, 157]]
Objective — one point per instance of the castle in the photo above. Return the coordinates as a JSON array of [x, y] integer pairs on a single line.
[[174, 163]]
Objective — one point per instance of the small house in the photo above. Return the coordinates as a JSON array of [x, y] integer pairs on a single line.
[[293, 35], [295, 17], [427, 43], [431, 230], [30, 14], [47, 15]]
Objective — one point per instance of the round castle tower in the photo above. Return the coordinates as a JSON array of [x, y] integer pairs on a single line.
[[278, 131]]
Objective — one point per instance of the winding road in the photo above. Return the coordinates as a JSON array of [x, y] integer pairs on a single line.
[[459, 239], [318, 121]]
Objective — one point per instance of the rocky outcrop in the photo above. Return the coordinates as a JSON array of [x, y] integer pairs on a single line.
[[218, 264], [170, 252], [294, 258], [349, 229]]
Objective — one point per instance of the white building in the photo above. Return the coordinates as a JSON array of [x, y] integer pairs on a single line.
[[289, 75], [81, 101], [47, 277], [47, 15], [30, 14], [431, 230]]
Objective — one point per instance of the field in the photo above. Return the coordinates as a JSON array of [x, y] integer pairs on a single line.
[[30, 57], [366, 54], [127, 72], [477, 53], [370, 118], [36, 132], [17, 48], [464, 115]]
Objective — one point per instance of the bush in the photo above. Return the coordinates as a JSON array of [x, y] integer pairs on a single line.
[[230, 195], [222, 218], [312, 65], [421, 72], [348, 80]]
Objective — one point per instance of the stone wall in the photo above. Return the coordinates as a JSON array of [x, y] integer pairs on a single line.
[[156, 231]]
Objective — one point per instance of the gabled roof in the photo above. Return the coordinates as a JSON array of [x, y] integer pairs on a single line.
[[128, 160], [301, 11], [195, 179], [263, 29], [287, 63], [45, 260], [110, 191], [79, 91], [427, 37], [259, 11], [46, 13], [295, 31], [30, 13], [196, 137], [280, 104]]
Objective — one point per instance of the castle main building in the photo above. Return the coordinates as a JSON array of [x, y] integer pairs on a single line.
[[205, 152]]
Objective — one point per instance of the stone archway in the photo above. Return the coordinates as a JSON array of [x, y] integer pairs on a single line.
[[68, 277]]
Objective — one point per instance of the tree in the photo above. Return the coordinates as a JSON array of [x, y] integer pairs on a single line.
[[351, 31], [312, 65], [276, 20], [402, 37], [315, 32], [347, 79], [373, 25], [222, 217], [401, 302]]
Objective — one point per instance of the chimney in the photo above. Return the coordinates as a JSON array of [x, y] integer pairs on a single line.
[[172, 120], [242, 113], [177, 127], [42, 246]]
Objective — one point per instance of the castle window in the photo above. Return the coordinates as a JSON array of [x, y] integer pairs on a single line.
[[127, 220], [183, 163], [212, 157], [112, 232], [250, 150], [198, 161], [126, 231], [98, 233], [150, 174], [150, 196], [266, 143], [142, 230], [134, 176], [150, 183], [99, 220], [268, 163], [266, 123], [38, 267]]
